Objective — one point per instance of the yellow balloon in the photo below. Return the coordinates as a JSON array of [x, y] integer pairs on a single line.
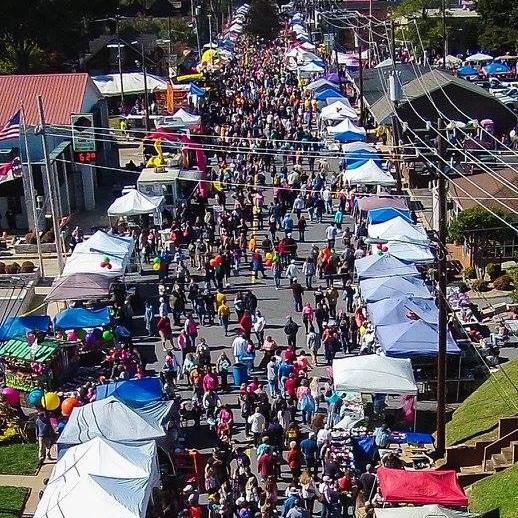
[[156, 267], [269, 256], [50, 401]]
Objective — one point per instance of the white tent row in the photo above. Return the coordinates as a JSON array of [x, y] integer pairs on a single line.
[[101, 478], [132, 83], [368, 173], [373, 374], [388, 230], [338, 111], [134, 203], [425, 511]]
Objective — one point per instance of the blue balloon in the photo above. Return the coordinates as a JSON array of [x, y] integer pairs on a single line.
[[34, 397]]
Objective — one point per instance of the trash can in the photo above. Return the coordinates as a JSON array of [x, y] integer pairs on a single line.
[[240, 373]]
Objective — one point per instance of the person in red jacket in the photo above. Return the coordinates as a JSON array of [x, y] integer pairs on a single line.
[[294, 461], [246, 324], [266, 465], [291, 386]]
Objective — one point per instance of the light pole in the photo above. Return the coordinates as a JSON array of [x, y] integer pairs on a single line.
[[143, 65], [209, 16]]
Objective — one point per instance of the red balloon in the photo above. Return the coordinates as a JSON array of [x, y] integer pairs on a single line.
[[68, 405], [380, 246], [384, 248], [109, 266], [213, 263]]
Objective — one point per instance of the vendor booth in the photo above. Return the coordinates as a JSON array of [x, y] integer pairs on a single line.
[[398, 226], [17, 327], [373, 374], [46, 365], [101, 478], [425, 511], [381, 288], [421, 487], [404, 248], [81, 286], [400, 309], [79, 318], [369, 173], [384, 265], [340, 110], [135, 203], [142, 390], [369, 203], [383, 214]]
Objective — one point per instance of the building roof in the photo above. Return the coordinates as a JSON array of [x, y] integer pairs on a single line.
[[427, 82], [462, 188], [20, 350], [62, 94]]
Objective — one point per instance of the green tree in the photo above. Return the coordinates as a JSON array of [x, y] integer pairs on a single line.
[[499, 25], [479, 220], [264, 19]]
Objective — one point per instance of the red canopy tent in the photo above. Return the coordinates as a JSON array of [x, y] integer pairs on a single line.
[[421, 487]]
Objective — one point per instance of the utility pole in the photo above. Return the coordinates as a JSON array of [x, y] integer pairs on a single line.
[[395, 96], [50, 187], [444, 37], [119, 54], [443, 310], [144, 72], [360, 63]]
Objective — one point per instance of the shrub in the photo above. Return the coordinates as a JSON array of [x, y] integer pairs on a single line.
[[494, 270], [480, 285], [13, 268], [27, 267], [504, 282], [469, 273]]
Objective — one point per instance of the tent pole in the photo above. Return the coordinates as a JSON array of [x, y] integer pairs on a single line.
[[415, 412]]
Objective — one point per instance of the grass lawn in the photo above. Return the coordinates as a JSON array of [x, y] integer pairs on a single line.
[[18, 459], [497, 491], [482, 409], [12, 500]]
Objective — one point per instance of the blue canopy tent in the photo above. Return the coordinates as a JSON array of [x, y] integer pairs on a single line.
[[401, 310], [322, 95], [14, 327], [413, 338], [358, 158], [142, 390], [354, 135], [384, 265], [385, 214], [381, 288], [495, 69], [467, 71], [76, 318]]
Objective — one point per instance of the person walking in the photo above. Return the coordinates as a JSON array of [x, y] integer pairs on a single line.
[[297, 291], [149, 317], [291, 329], [45, 435], [224, 316], [309, 270], [257, 424]]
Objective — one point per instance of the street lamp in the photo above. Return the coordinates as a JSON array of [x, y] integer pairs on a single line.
[[143, 65]]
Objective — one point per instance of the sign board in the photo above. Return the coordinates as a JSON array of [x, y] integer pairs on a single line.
[[83, 134]]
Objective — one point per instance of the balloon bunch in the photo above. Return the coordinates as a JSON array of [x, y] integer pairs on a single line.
[[382, 248], [12, 396], [216, 262], [268, 259], [106, 263], [156, 263], [51, 401]]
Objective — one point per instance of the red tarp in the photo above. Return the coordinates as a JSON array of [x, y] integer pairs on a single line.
[[421, 487]]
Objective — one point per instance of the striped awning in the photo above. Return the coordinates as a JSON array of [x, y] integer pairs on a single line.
[[21, 350]]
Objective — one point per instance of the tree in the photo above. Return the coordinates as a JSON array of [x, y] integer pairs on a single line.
[[479, 220], [499, 29], [264, 19]]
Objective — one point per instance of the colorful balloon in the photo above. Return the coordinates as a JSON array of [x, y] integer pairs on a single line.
[[379, 246], [50, 401], [213, 263], [269, 256], [156, 267], [90, 339], [68, 405], [81, 333], [107, 335], [11, 395], [156, 260], [384, 248], [34, 397]]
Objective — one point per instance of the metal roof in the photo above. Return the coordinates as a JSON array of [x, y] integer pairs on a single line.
[[21, 350], [62, 94]]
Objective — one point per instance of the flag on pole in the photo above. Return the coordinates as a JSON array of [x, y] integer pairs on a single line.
[[12, 129]]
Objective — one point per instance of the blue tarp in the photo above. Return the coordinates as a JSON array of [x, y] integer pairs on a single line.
[[350, 136], [138, 390], [322, 95], [413, 438], [384, 265], [14, 327], [375, 289], [363, 450], [76, 318], [467, 71], [413, 339], [357, 158], [385, 214]]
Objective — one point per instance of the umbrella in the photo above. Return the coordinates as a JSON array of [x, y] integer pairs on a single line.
[[478, 57], [467, 71], [495, 69]]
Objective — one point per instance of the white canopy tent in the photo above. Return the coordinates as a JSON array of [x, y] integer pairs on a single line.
[[425, 511], [479, 57], [397, 227], [134, 203], [190, 120], [319, 83], [91, 263], [338, 111], [409, 251], [369, 173], [113, 479], [104, 243], [132, 82], [311, 68], [358, 146], [373, 374]]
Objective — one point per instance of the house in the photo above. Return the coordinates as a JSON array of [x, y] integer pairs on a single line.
[[63, 95], [448, 93]]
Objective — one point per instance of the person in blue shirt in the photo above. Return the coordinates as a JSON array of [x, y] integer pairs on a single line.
[[309, 449], [287, 224], [285, 369]]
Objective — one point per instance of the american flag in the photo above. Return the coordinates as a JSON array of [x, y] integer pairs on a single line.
[[12, 129]]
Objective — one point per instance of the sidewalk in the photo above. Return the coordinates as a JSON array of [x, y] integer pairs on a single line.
[[35, 483]]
